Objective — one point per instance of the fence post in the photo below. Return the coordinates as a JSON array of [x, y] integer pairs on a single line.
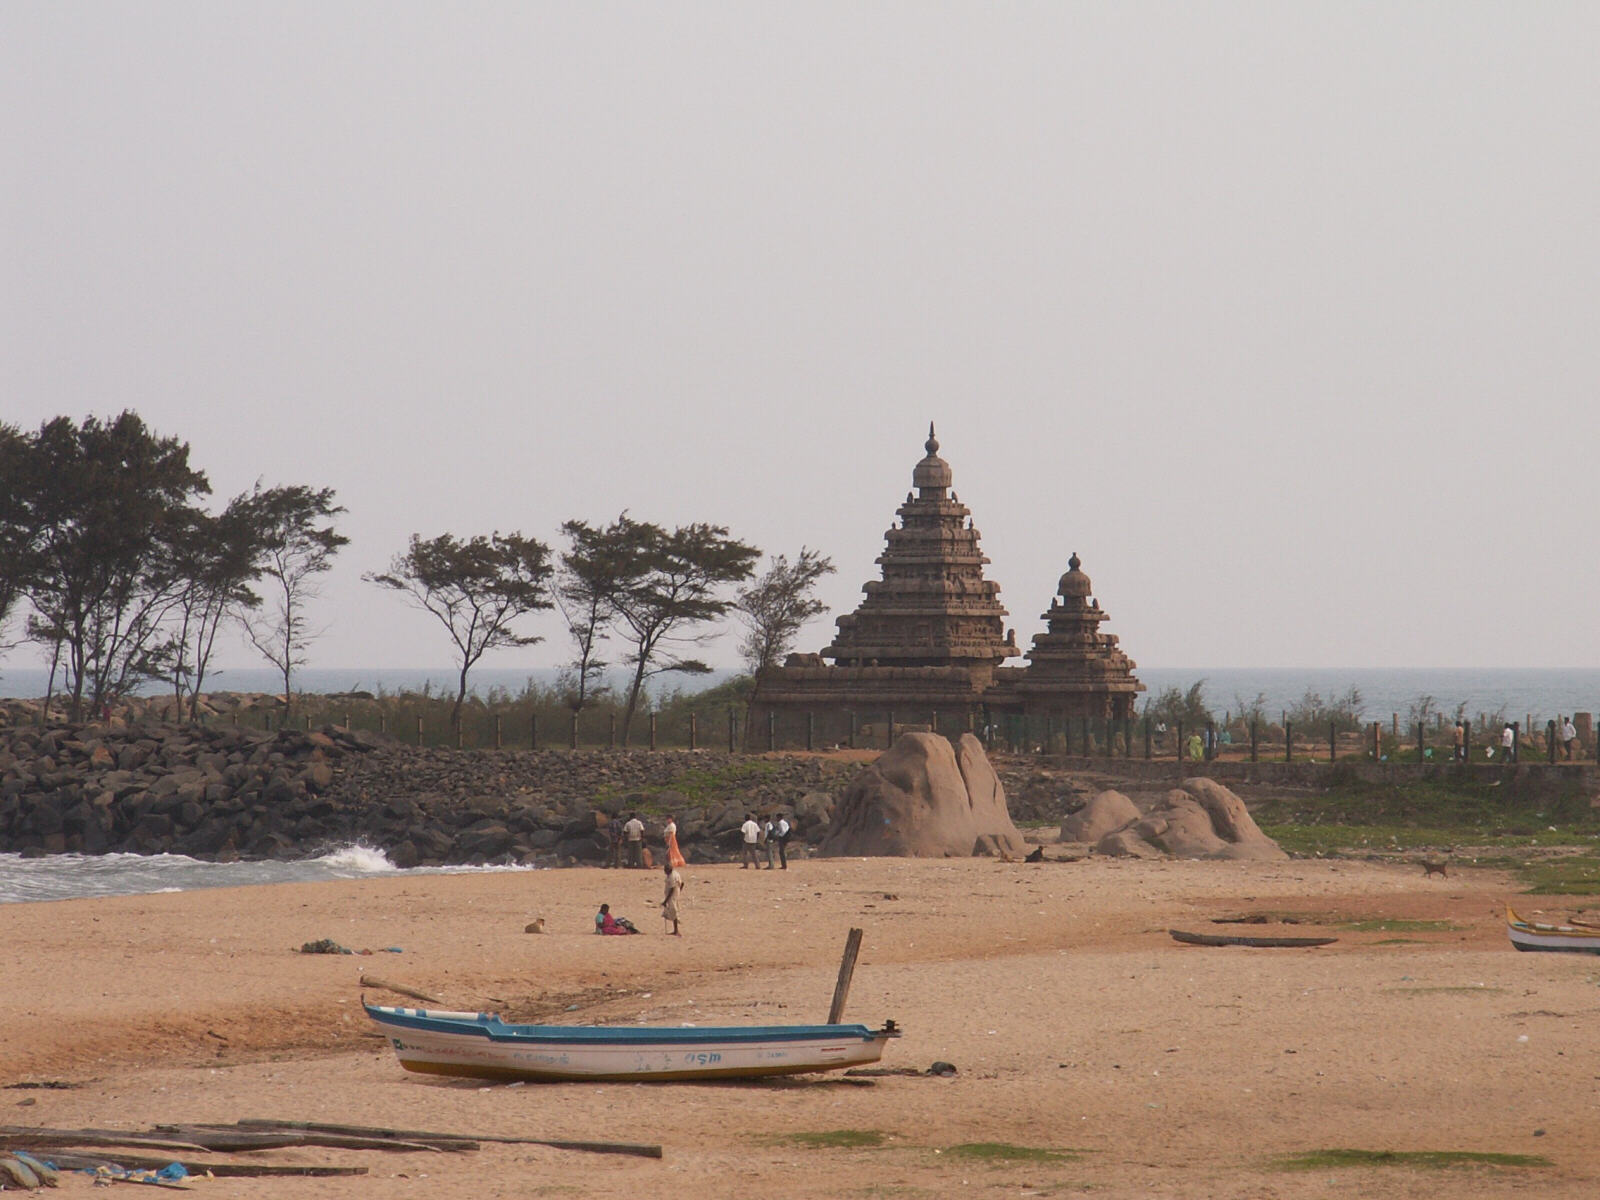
[[693, 731], [419, 729], [1422, 729], [852, 729], [889, 735], [1179, 755], [934, 722], [772, 730], [1288, 741], [1147, 745], [1211, 740], [1466, 742], [811, 730], [1333, 742], [730, 729], [652, 731], [1516, 742], [611, 740], [1377, 741], [383, 722], [1254, 745], [497, 739], [533, 731], [572, 733], [347, 721]]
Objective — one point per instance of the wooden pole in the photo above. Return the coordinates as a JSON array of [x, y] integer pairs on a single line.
[[498, 740], [693, 732], [847, 968], [730, 730]]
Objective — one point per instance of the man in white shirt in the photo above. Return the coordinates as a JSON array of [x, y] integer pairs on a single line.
[[1508, 743], [1569, 735], [752, 835], [633, 834], [782, 830]]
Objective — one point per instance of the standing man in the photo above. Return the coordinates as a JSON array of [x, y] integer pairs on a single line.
[[669, 902], [633, 831], [769, 839], [752, 835], [1508, 743], [784, 829], [1460, 741], [614, 839], [1569, 737]]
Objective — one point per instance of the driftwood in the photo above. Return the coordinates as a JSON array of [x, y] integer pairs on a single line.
[[78, 1162], [1219, 939], [232, 1139], [399, 989], [418, 1135], [26, 1135]]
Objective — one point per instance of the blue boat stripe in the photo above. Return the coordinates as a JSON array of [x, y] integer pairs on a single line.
[[496, 1030]]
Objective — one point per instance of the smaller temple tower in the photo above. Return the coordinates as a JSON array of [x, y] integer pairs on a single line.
[[1073, 669]]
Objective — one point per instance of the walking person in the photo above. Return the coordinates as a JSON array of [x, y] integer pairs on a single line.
[[784, 829], [769, 839], [669, 902], [752, 835], [669, 835]]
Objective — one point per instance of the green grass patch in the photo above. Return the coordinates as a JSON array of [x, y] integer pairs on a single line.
[[1356, 817], [1005, 1152], [835, 1139], [1427, 1160], [1570, 875], [1458, 990], [1397, 925]]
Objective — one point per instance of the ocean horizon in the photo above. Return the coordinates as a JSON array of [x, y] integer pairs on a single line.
[[1539, 693]]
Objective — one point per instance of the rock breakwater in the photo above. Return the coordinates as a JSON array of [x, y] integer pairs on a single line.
[[220, 793]]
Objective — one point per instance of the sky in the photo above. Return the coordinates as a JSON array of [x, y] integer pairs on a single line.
[[1282, 316]]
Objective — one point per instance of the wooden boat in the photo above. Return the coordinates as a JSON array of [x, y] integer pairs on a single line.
[[482, 1046], [1226, 939], [1536, 935]]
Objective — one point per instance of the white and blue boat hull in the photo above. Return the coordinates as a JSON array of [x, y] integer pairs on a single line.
[[482, 1046]]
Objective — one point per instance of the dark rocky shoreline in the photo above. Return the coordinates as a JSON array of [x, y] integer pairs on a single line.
[[222, 793]]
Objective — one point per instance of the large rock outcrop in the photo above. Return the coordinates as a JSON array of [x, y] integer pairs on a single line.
[[1198, 819], [924, 798]]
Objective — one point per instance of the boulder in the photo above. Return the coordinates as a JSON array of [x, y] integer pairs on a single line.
[[1105, 813], [915, 802], [1198, 819]]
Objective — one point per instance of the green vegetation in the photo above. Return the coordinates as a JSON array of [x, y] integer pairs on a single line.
[[1573, 875], [836, 1139], [1005, 1152], [1355, 818], [1431, 1160], [1397, 925]]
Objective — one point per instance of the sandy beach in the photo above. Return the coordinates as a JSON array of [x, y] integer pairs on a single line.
[[1075, 1023]]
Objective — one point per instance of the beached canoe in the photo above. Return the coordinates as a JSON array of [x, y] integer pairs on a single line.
[[482, 1046], [1227, 939], [1536, 935]]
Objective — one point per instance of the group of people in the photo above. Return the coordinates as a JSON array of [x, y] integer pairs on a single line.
[[627, 842], [606, 923], [773, 833], [1566, 740]]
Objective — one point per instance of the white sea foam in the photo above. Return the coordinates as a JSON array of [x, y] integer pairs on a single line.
[[70, 876]]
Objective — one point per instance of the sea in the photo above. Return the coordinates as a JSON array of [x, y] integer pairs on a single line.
[[1385, 693]]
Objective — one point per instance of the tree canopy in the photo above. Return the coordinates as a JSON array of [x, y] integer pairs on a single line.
[[475, 588]]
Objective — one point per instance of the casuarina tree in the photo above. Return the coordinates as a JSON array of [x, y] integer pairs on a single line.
[[298, 542], [670, 584], [476, 589]]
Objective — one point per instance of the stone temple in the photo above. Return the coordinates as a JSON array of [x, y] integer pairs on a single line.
[[928, 648]]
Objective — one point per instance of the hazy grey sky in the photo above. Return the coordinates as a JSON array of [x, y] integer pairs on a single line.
[[1286, 317]]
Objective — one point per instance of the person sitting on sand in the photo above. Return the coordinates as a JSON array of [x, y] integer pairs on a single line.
[[604, 922]]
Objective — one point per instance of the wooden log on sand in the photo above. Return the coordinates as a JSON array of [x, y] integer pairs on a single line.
[[417, 1135], [399, 989]]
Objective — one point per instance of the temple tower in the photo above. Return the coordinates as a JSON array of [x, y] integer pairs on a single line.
[[932, 607], [1073, 669]]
